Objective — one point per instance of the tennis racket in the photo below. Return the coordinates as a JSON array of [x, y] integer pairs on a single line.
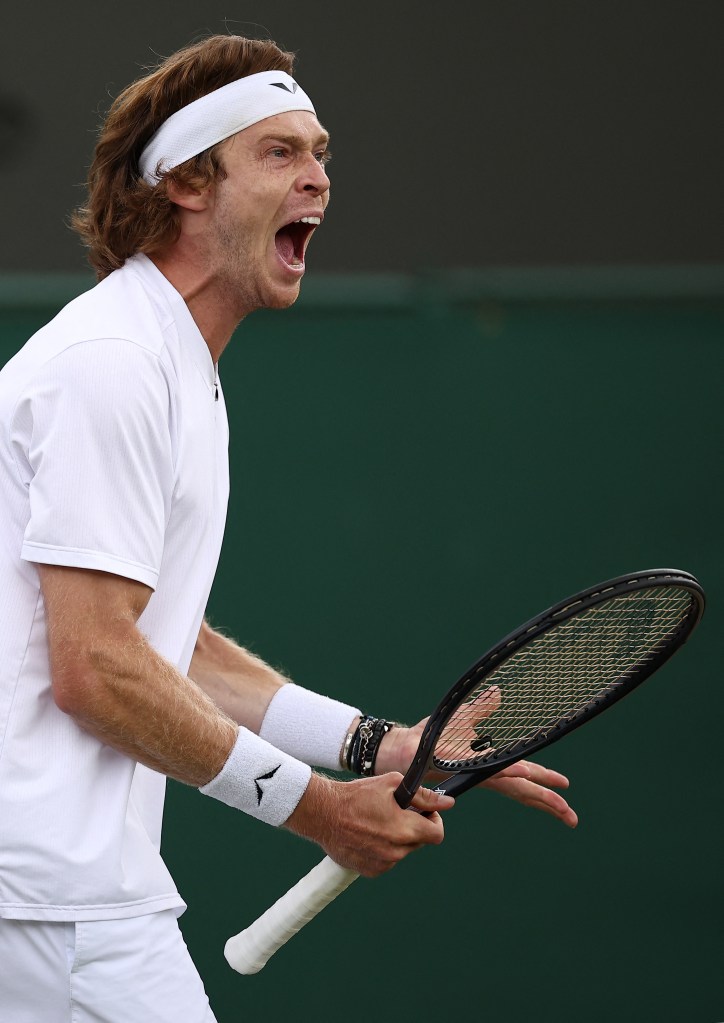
[[536, 685]]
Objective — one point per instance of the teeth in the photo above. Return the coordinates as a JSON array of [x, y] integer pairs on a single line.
[[309, 220]]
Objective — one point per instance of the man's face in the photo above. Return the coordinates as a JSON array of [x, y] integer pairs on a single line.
[[267, 208]]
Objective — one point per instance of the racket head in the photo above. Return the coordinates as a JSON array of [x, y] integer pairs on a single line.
[[554, 673]]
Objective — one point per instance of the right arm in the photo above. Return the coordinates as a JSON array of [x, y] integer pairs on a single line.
[[113, 683]]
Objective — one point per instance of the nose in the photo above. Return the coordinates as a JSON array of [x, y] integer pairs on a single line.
[[313, 178]]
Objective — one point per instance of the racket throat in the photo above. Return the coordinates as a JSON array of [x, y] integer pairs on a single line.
[[459, 783]]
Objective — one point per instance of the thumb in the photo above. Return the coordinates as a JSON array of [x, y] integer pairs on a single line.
[[428, 800]]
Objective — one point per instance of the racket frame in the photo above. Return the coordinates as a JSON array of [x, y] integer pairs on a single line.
[[466, 777]]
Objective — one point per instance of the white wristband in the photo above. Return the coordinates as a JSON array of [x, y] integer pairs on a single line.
[[308, 726], [260, 780]]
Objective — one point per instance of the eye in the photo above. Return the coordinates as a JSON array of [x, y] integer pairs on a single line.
[[323, 156]]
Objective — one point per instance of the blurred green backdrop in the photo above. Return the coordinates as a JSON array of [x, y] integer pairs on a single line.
[[419, 463]]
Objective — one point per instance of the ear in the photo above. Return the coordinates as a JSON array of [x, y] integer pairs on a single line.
[[188, 198]]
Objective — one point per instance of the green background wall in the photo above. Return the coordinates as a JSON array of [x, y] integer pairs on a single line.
[[418, 464]]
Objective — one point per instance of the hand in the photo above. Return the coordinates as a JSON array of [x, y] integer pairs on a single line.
[[528, 783], [360, 826]]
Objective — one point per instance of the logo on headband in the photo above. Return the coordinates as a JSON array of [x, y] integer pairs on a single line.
[[281, 85]]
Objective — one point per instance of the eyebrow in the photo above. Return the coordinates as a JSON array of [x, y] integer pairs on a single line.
[[296, 141]]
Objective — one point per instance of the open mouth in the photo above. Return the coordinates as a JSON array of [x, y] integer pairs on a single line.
[[291, 240]]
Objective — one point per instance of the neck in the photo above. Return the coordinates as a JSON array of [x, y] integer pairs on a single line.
[[216, 317]]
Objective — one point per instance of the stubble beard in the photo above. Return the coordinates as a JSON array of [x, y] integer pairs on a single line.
[[244, 285]]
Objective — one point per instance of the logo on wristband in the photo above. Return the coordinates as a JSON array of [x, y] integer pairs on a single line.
[[264, 777]]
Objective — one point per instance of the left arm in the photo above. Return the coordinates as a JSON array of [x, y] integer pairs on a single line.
[[238, 682], [306, 725], [243, 686]]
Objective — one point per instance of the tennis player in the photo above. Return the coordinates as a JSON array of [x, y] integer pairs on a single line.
[[207, 184]]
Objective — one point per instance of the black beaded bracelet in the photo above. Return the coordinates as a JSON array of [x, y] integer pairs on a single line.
[[365, 743]]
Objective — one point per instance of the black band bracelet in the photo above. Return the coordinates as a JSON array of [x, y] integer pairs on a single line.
[[365, 743]]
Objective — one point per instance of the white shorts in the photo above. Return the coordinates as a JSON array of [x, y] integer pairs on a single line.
[[101, 971]]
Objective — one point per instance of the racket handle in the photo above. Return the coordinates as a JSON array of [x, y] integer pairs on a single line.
[[249, 951]]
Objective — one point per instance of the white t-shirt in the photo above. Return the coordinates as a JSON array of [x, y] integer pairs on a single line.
[[113, 456]]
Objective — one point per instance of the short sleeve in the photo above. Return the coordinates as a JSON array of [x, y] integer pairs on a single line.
[[94, 443]]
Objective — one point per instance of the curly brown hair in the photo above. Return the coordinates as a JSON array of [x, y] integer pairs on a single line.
[[124, 214]]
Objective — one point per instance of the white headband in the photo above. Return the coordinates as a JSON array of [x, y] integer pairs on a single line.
[[217, 116]]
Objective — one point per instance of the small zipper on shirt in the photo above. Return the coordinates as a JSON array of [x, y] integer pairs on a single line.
[[216, 383]]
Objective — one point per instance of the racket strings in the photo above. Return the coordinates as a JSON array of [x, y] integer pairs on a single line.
[[558, 674]]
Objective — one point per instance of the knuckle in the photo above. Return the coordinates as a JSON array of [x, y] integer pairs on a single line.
[[436, 834]]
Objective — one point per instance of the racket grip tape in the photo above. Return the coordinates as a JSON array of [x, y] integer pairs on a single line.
[[249, 951]]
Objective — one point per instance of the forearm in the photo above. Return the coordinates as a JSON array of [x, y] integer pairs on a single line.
[[135, 701], [304, 724], [244, 687], [237, 681]]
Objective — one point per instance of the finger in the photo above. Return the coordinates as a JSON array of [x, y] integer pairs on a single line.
[[536, 773], [531, 794], [519, 770], [469, 715], [429, 800], [486, 702], [546, 776], [425, 827]]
